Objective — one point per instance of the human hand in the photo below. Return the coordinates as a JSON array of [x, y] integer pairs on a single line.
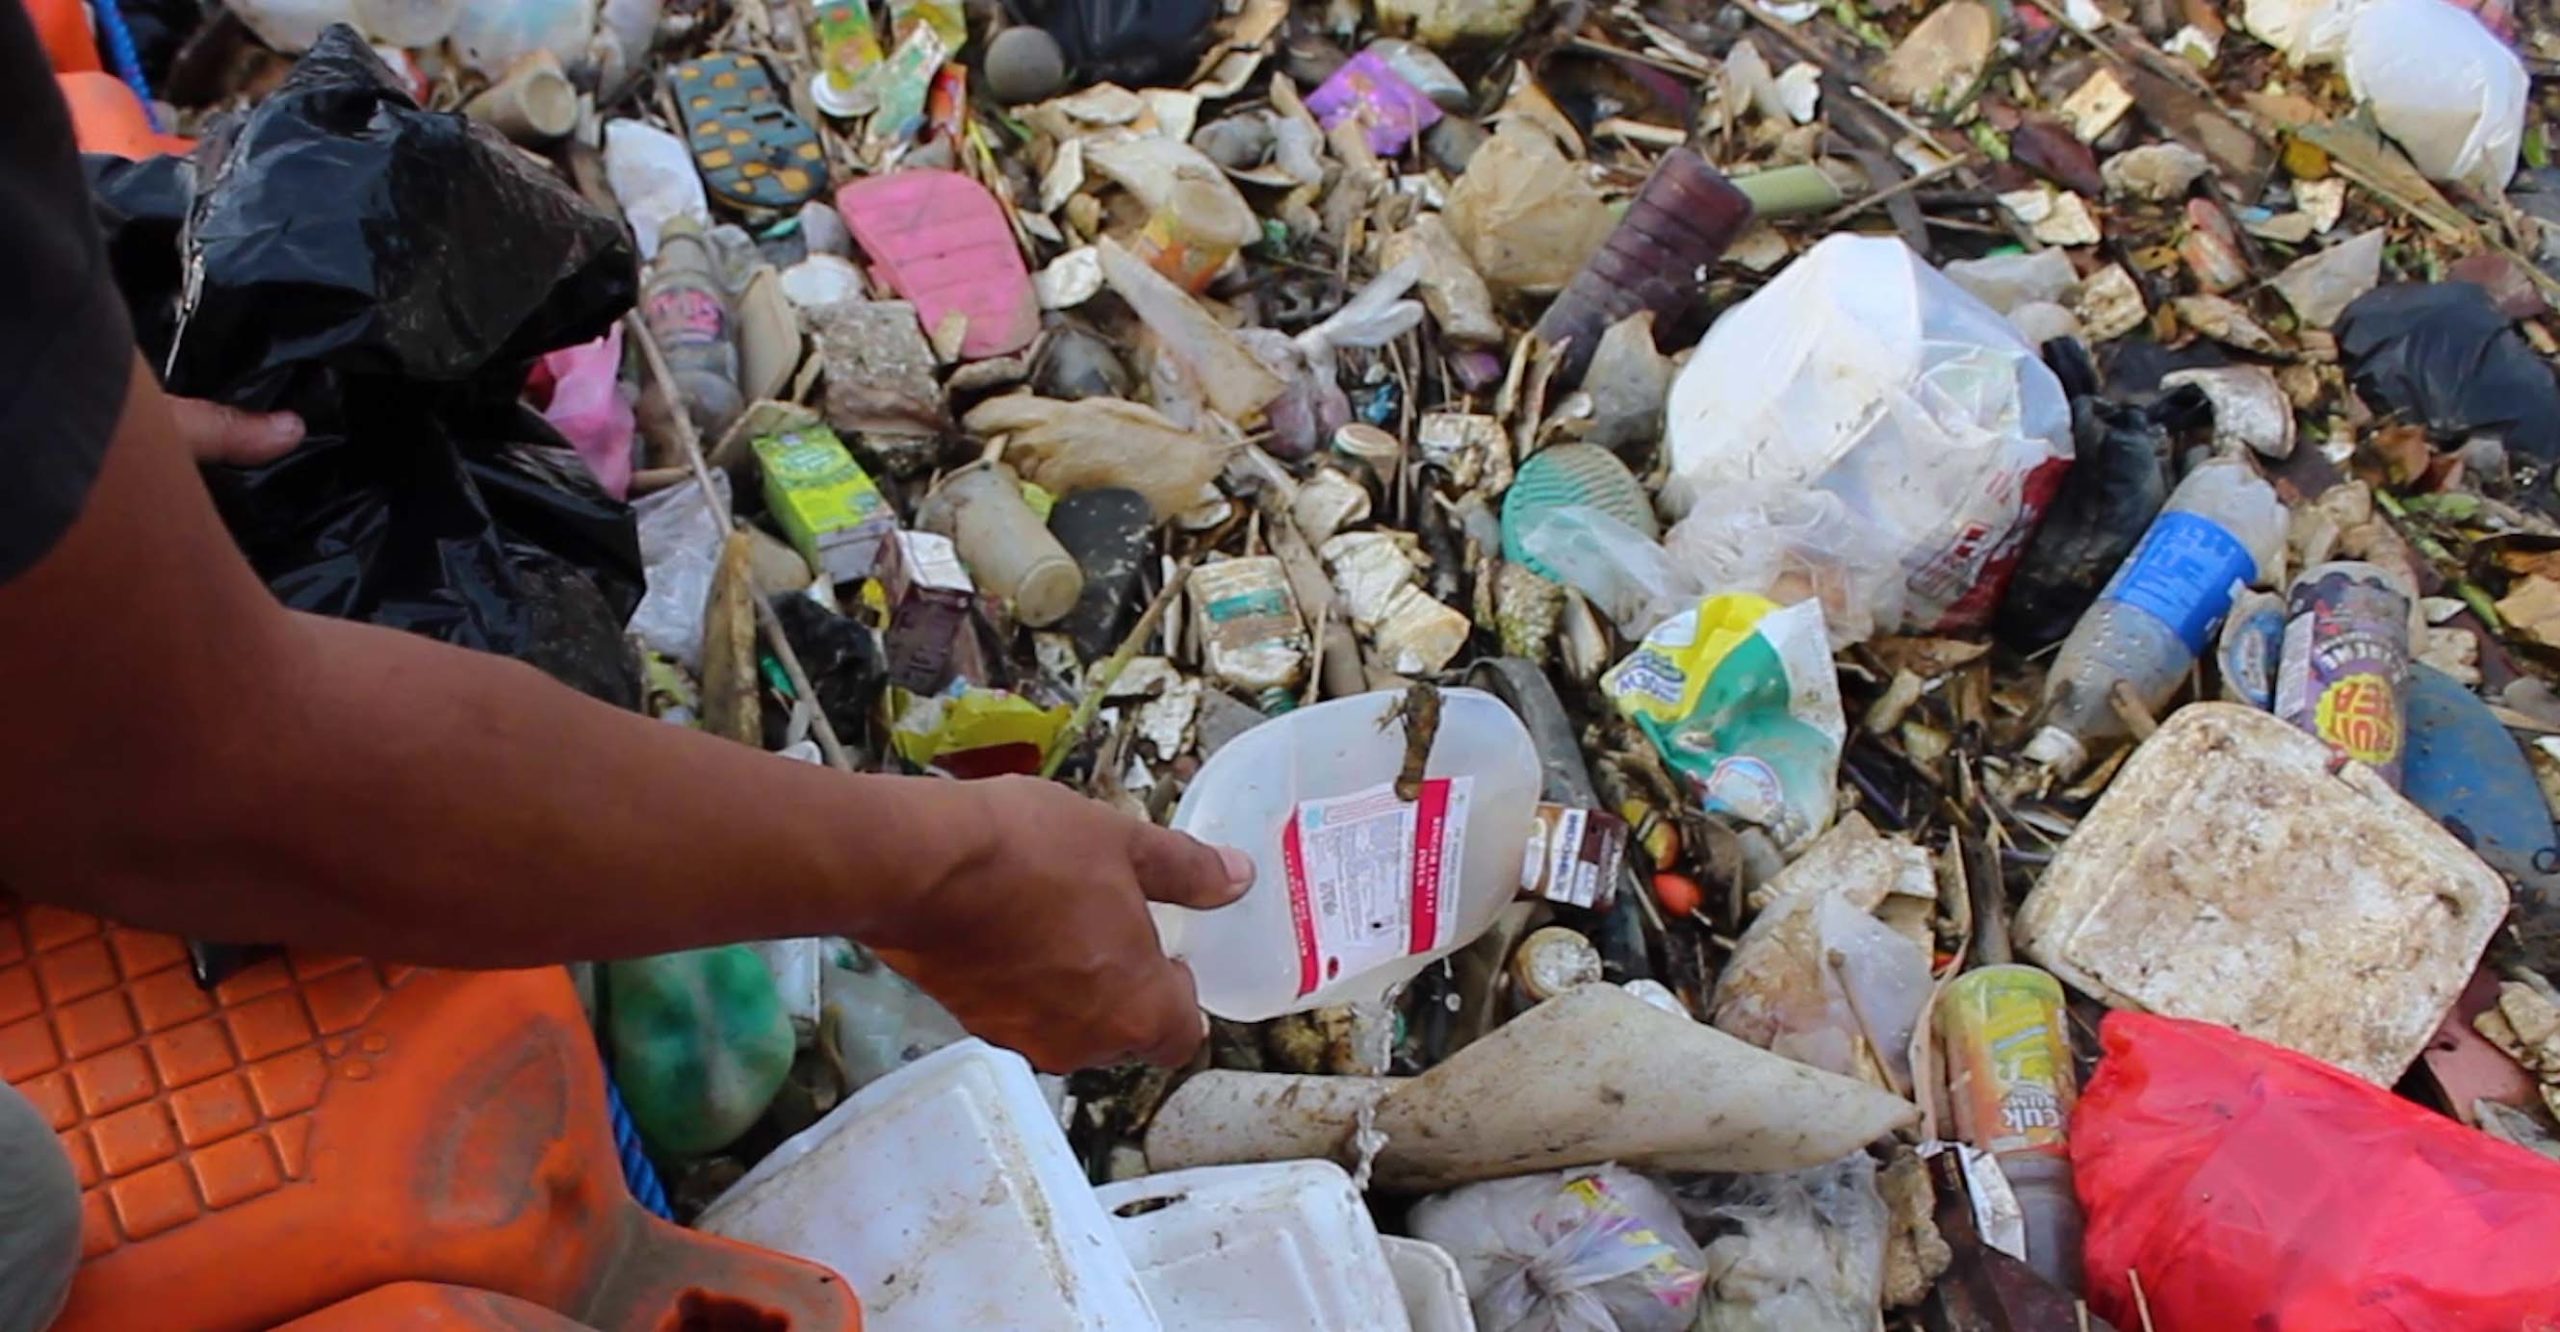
[[1041, 942], [214, 433]]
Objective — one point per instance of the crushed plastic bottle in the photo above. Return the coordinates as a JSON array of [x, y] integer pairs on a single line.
[[2221, 532]]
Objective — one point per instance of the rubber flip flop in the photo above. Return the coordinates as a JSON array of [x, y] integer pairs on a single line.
[[752, 151]]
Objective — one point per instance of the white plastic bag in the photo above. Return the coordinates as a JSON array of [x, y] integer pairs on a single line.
[[1801, 1252], [652, 175], [2309, 32], [1864, 372], [492, 35], [1599, 1250], [2442, 86]]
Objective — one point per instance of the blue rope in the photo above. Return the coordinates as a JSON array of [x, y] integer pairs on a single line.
[[128, 62], [641, 1176]]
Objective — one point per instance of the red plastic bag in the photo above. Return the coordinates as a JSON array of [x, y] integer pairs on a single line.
[[2255, 1188]]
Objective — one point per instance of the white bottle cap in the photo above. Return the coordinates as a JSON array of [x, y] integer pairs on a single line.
[[2057, 750]]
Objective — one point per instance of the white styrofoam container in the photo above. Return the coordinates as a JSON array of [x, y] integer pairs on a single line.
[[2230, 875], [1434, 1290], [1286, 1247], [947, 1195]]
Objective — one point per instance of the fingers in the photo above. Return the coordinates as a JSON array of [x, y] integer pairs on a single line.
[[1172, 1003], [218, 434], [1180, 871]]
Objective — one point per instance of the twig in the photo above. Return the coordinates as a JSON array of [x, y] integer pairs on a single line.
[[1908, 183], [2141, 1302], [775, 640], [1100, 682]]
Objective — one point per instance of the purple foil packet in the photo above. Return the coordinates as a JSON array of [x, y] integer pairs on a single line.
[[1370, 90]]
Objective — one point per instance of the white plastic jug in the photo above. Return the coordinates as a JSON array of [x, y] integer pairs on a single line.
[[947, 1195], [1354, 890], [1257, 1248]]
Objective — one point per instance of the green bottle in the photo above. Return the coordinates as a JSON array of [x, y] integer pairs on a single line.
[[700, 1044]]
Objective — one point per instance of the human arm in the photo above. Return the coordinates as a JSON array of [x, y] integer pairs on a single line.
[[193, 757]]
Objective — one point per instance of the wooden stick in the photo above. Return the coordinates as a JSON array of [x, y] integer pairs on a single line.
[[1100, 682], [770, 623]]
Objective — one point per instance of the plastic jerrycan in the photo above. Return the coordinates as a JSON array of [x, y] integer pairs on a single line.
[[316, 1127], [1356, 887]]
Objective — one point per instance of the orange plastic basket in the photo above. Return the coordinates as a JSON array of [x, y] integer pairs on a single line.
[[319, 1127]]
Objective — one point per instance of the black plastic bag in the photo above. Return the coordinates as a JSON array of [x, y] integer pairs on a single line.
[[141, 207], [2117, 483], [391, 274], [2442, 354], [1135, 43]]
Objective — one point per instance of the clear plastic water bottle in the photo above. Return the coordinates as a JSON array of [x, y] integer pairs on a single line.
[[2220, 533]]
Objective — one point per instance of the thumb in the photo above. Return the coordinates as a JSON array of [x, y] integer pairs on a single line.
[[215, 433], [1177, 870]]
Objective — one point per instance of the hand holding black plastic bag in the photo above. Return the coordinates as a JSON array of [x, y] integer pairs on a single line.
[[391, 274]]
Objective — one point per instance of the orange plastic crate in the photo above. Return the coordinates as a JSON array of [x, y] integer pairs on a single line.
[[319, 1127]]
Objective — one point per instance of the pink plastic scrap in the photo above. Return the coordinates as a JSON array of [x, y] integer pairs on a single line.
[[1370, 89], [588, 409], [941, 242]]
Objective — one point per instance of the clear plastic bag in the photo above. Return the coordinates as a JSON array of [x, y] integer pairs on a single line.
[[680, 538], [2443, 86], [1800, 1252], [1579, 1251], [1626, 574], [1790, 544], [1865, 373]]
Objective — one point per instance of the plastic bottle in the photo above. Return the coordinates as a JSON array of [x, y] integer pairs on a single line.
[[700, 1044], [2009, 1072], [1355, 889], [2220, 532], [689, 315], [1004, 544], [1192, 233], [1680, 222], [875, 1021]]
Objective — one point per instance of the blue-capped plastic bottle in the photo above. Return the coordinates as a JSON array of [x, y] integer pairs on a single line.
[[2220, 534]]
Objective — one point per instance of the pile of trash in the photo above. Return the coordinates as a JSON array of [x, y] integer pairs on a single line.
[[1884, 663]]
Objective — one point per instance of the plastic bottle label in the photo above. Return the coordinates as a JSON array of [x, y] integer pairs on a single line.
[[2345, 657], [2184, 573], [2008, 1061], [1372, 877], [687, 317]]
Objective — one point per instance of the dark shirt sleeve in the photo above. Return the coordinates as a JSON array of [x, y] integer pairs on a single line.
[[65, 348]]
